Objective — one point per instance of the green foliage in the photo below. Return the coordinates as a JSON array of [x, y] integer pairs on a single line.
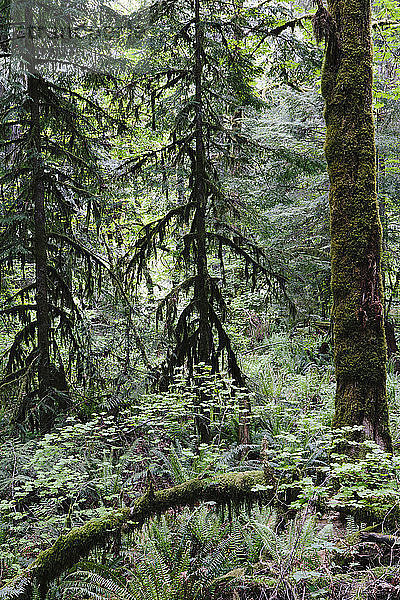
[[173, 414], [72, 175], [62, 480], [169, 560], [196, 85], [296, 557], [196, 556], [121, 191], [367, 488], [84, 469]]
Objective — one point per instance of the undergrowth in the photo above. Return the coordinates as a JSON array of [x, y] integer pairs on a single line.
[[300, 549]]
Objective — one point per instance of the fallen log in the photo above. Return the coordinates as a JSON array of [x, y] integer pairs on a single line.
[[233, 490], [379, 538]]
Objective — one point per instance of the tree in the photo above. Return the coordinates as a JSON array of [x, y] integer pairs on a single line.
[[359, 338], [51, 177], [209, 73]]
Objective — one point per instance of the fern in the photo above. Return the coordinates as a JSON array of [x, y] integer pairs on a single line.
[[15, 588], [96, 581]]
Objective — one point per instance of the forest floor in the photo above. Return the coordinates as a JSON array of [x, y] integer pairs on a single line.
[[332, 529]]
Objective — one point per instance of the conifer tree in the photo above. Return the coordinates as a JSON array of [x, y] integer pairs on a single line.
[[51, 179], [207, 71]]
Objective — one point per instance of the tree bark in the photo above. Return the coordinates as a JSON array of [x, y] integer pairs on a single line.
[[205, 341], [46, 411], [232, 489], [359, 338], [40, 252]]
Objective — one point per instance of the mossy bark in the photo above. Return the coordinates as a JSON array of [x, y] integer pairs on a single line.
[[230, 489], [47, 412], [359, 338]]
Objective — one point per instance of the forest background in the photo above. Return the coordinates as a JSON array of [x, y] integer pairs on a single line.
[[165, 286]]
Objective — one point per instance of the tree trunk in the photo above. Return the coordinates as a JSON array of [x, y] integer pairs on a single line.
[[40, 233], [205, 345], [359, 338], [391, 338]]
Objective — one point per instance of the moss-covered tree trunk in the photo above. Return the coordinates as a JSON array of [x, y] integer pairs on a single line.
[[359, 339], [40, 254]]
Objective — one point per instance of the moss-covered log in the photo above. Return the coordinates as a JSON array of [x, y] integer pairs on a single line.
[[359, 338], [232, 489]]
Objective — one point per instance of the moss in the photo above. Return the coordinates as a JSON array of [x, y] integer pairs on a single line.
[[233, 490], [359, 339], [74, 545]]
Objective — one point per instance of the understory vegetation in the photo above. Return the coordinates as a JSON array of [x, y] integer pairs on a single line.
[[308, 544], [169, 352]]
